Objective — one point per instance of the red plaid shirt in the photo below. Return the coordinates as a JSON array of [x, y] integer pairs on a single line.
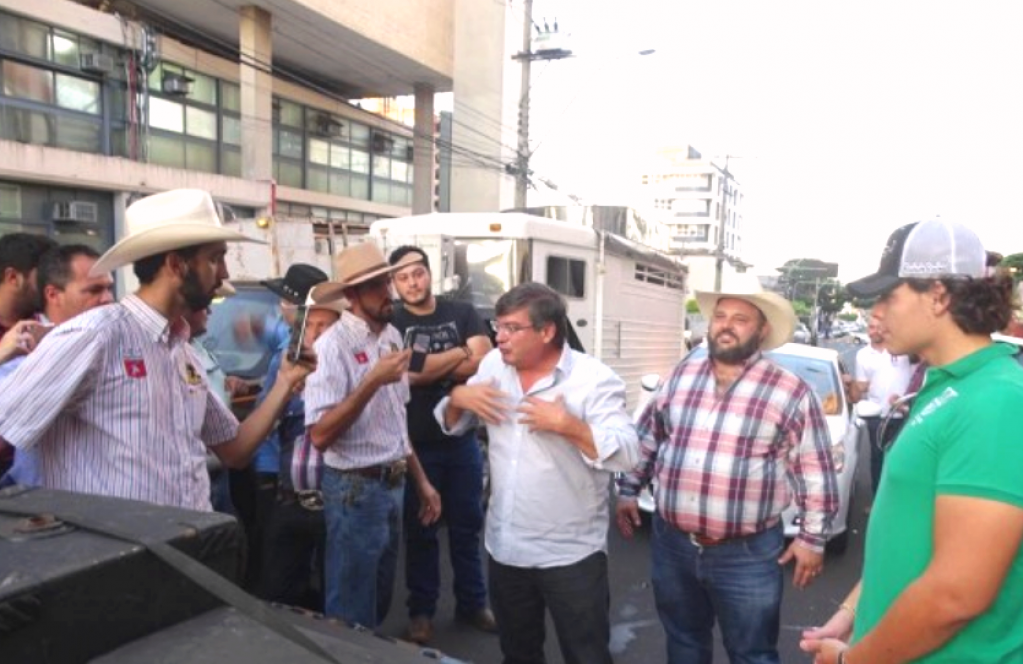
[[729, 465]]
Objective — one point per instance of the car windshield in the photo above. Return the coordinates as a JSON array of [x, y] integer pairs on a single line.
[[238, 330], [818, 373]]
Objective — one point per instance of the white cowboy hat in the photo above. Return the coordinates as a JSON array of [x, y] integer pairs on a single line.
[[162, 222], [777, 310], [313, 301], [355, 265]]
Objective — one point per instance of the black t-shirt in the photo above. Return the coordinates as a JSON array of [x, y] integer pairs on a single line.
[[450, 325]]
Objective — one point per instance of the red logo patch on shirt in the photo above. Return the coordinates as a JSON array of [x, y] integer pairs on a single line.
[[135, 368], [361, 357]]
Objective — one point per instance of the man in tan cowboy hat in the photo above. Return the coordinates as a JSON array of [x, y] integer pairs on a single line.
[[727, 439], [355, 411], [116, 399]]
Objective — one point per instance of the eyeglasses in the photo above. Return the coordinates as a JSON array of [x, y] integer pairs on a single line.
[[510, 328]]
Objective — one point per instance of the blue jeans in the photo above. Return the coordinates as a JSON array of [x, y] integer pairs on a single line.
[[363, 529], [455, 468], [739, 583]]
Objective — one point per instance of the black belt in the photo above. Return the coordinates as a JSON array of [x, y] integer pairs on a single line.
[[310, 500]]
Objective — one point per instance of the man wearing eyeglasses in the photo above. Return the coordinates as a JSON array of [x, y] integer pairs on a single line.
[[557, 427]]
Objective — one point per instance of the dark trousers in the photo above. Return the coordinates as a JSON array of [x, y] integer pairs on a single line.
[[455, 468], [878, 447], [293, 556], [254, 496], [578, 598]]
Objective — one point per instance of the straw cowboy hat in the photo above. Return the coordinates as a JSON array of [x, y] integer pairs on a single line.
[[777, 310], [163, 222], [315, 300], [355, 265]]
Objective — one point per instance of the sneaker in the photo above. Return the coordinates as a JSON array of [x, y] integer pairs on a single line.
[[420, 630], [482, 619]]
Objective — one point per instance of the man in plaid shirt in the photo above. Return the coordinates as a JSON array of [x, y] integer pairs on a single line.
[[730, 440]]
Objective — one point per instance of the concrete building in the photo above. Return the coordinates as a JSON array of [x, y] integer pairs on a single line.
[[105, 100], [701, 203]]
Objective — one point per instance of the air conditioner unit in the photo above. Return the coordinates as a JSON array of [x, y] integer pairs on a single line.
[[176, 85], [328, 127], [382, 143], [96, 63], [76, 211]]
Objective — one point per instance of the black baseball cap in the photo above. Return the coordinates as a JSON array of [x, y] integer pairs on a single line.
[[924, 250]]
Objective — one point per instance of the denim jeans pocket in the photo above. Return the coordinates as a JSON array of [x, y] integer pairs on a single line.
[[766, 545]]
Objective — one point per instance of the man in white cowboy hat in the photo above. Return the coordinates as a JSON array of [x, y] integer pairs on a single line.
[[355, 411], [729, 439], [116, 399]]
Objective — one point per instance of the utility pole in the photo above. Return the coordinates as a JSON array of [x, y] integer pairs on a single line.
[[522, 156], [719, 252]]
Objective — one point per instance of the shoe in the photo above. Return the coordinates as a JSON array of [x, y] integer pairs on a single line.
[[420, 630], [482, 619]]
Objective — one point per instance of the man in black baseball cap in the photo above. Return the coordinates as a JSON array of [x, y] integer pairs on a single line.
[[943, 565]]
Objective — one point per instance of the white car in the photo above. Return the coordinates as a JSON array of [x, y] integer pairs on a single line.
[[821, 368]]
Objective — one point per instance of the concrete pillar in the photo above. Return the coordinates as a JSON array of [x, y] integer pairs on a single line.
[[256, 43], [422, 151], [485, 78]]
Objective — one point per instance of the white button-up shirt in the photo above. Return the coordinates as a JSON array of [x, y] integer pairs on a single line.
[[548, 501], [117, 404], [345, 354]]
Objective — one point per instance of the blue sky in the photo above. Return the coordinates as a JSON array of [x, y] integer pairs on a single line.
[[846, 120]]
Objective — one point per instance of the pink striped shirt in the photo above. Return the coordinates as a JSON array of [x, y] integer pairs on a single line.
[[729, 465], [345, 354], [117, 403]]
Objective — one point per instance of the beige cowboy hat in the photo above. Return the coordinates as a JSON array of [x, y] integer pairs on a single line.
[[354, 265], [166, 221], [777, 310]]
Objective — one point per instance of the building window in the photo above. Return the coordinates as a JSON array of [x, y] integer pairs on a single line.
[[567, 276], [10, 201], [652, 275]]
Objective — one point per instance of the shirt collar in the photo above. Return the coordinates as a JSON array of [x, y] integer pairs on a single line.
[[159, 329], [975, 360]]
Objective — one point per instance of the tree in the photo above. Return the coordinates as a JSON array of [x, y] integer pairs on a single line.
[[1014, 264], [800, 276], [692, 307]]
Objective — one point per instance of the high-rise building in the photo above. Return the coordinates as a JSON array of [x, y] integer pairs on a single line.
[[701, 203]]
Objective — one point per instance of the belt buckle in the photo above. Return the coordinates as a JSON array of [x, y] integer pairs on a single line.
[[310, 500], [396, 473]]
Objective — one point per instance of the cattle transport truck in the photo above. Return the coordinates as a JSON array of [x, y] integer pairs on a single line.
[[626, 300]]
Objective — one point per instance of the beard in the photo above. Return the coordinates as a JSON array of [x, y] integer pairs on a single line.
[[736, 354], [195, 297], [383, 313]]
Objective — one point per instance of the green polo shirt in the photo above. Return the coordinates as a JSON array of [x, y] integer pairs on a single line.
[[963, 437]]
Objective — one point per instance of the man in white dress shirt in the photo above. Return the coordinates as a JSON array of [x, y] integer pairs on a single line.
[[557, 428]]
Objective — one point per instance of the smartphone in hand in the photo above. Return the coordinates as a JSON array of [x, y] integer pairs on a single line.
[[420, 347], [296, 344]]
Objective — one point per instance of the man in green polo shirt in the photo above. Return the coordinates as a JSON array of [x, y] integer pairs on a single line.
[[943, 567]]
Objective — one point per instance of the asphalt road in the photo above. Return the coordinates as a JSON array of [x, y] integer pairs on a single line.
[[637, 637]]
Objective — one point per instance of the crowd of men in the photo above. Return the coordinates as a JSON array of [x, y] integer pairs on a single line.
[[365, 433]]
